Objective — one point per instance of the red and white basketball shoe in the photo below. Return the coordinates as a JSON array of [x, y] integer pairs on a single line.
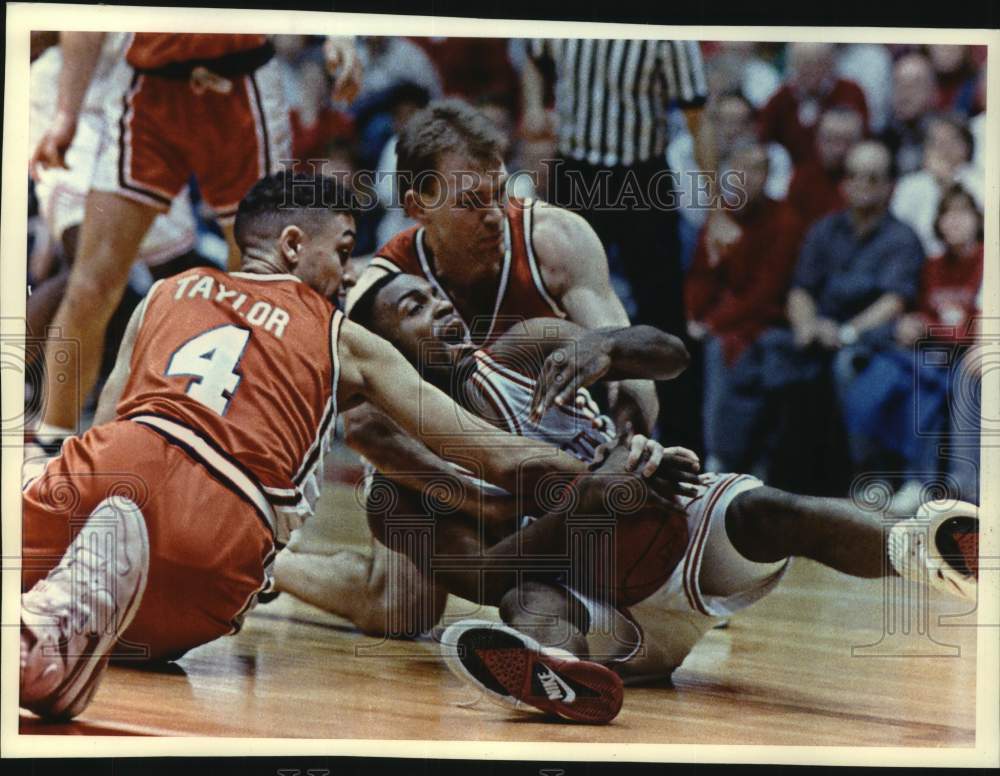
[[516, 672], [71, 620], [940, 547]]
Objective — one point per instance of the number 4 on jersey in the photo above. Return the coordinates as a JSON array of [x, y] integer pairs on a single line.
[[211, 359]]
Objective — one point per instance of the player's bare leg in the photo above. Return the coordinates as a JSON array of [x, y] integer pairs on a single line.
[[382, 596], [766, 525], [112, 230], [549, 614]]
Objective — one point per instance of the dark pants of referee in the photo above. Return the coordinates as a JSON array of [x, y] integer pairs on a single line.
[[646, 237]]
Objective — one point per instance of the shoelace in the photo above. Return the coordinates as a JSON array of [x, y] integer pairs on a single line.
[[70, 596]]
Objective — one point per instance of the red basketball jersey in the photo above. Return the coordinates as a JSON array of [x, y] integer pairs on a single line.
[[149, 50], [242, 370], [521, 291]]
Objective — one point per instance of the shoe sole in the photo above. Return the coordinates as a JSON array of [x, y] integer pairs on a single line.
[[518, 669], [951, 517], [76, 691]]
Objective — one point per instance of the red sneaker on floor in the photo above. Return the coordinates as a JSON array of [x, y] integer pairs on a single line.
[[515, 671]]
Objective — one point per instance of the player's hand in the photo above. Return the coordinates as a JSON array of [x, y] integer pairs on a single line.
[[569, 368], [804, 334], [51, 149], [344, 65], [615, 470], [285, 523], [679, 470]]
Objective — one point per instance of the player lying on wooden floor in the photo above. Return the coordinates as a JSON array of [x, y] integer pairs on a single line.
[[156, 528], [724, 544]]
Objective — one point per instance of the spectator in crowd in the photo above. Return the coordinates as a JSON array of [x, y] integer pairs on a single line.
[[406, 98], [869, 65], [472, 67], [388, 62], [314, 121], [815, 189], [732, 117], [957, 77], [857, 271], [739, 66], [977, 126], [731, 301], [791, 115], [612, 135], [914, 95], [900, 400], [948, 147]]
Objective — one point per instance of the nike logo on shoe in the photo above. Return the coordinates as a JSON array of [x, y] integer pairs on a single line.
[[555, 687]]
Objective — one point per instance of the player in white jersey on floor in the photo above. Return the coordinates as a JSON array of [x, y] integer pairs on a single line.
[[740, 533]]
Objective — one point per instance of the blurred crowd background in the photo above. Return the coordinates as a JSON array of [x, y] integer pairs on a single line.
[[862, 170]]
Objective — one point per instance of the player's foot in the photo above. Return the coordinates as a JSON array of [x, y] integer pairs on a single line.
[[940, 546], [515, 671], [71, 619]]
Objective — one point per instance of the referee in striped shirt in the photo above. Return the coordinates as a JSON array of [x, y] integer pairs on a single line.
[[611, 99]]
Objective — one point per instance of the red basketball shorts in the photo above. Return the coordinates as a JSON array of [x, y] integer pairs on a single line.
[[158, 132], [209, 549]]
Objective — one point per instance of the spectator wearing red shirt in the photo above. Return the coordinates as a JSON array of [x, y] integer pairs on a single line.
[[473, 67], [957, 74], [950, 281], [905, 396], [815, 190], [730, 301], [791, 115]]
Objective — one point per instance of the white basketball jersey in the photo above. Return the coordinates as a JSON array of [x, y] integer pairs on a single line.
[[576, 429]]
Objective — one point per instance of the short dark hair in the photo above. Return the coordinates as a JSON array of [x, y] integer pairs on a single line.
[[444, 125], [363, 310], [284, 198]]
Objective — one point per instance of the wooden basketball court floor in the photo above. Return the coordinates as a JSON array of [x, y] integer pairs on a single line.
[[791, 670]]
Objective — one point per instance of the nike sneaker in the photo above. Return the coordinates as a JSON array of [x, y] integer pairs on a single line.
[[516, 672]]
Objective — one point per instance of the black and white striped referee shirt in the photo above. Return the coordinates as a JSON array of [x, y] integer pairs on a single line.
[[612, 96]]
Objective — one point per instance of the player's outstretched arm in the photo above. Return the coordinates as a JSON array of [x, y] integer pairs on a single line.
[[574, 267], [575, 357], [373, 369], [410, 464]]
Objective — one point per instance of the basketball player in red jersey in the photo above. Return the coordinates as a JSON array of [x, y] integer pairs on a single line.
[[210, 106], [740, 533], [498, 259], [157, 527]]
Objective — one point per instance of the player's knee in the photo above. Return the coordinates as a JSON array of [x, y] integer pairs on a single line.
[[529, 599], [757, 511], [94, 293], [764, 522]]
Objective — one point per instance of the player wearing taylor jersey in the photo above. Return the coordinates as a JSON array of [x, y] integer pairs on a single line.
[[521, 291], [231, 364]]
